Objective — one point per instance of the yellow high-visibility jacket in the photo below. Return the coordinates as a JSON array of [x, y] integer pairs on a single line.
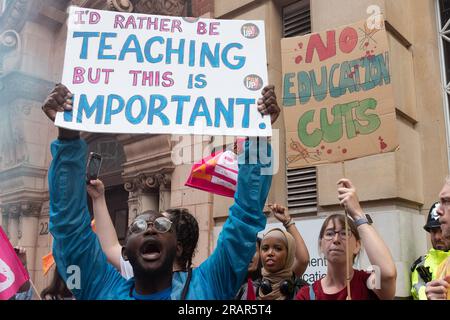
[[432, 260]]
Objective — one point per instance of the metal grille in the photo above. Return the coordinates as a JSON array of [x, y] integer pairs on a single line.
[[302, 190], [444, 6], [301, 183], [297, 19]]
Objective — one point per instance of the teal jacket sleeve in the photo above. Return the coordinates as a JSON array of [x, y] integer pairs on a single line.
[[225, 270], [76, 249]]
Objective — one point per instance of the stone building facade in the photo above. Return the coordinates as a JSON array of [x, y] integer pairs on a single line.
[[397, 188]]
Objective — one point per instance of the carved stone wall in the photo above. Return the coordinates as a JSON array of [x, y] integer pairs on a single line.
[[162, 7], [28, 43]]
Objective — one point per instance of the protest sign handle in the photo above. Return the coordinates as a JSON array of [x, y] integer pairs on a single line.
[[347, 263]]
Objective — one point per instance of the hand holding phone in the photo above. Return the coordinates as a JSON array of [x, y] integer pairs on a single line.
[[93, 167]]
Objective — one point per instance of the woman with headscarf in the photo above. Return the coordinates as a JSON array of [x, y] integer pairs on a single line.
[[277, 256], [250, 289]]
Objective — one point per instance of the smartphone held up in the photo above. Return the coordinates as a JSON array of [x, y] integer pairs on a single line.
[[93, 166]]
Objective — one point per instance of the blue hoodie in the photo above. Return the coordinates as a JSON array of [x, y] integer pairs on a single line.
[[77, 248]]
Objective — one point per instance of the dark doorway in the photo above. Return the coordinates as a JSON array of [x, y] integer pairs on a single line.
[[113, 157], [116, 200]]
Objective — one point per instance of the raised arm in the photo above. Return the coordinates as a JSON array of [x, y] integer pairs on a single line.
[[76, 249], [105, 229], [301, 251], [377, 251], [226, 268]]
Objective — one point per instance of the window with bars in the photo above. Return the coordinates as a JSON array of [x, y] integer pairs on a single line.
[[301, 183], [444, 28]]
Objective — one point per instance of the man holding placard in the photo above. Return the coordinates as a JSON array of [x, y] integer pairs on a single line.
[[135, 73], [150, 250]]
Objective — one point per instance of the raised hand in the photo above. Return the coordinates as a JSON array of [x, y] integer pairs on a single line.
[[96, 189], [280, 213], [349, 199], [21, 254], [59, 100], [268, 104]]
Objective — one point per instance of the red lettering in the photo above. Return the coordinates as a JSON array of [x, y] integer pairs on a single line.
[[316, 44], [118, 21], [97, 76], [107, 72], [176, 24], [164, 25], [135, 74], [94, 18], [78, 73], [201, 28], [213, 28], [167, 79], [348, 40]]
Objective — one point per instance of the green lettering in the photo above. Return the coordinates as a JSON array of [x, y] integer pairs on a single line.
[[331, 132], [310, 140], [347, 113], [373, 121]]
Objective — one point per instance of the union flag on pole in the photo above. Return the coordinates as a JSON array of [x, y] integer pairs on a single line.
[[12, 273]]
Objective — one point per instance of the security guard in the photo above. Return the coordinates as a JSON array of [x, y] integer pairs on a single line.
[[424, 269]]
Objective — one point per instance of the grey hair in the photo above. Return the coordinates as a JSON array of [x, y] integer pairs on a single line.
[[447, 180]]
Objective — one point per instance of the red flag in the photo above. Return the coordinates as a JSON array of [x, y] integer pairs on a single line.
[[218, 172], [12, 273]]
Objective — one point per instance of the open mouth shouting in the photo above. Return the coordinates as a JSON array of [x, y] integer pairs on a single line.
[[150, 250]]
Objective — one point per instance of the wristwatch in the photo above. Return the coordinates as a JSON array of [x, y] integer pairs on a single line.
[[365, 219]]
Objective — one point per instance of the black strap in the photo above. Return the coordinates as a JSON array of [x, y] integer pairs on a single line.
[[186, 284], [424, 273], [416, 263]]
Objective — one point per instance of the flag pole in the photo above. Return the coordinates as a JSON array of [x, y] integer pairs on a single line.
[[34, 289], [347, 255]]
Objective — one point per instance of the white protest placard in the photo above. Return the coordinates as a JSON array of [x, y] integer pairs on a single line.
[[136, 73]]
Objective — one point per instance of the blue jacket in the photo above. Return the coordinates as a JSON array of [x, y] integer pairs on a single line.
[[82, 263]]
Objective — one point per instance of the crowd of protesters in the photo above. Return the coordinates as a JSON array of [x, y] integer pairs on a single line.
[[155, 262]]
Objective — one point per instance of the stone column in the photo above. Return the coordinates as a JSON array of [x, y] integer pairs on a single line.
[[43, 247], [13, 224], [164, 181], [144, 195], [28, 231], [4, 220], [148, 167]]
